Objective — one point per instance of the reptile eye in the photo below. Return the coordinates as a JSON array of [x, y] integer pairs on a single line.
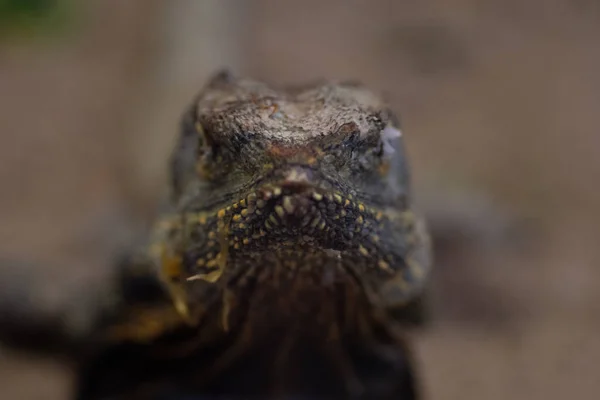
[[211, 159], [202, 139]]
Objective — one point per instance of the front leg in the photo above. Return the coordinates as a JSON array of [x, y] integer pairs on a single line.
[[40, 315]]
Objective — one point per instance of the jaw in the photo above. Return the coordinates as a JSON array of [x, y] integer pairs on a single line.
[[291, 213], [295, 214]]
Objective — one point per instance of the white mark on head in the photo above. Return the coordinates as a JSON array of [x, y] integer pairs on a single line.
[[388, 135]]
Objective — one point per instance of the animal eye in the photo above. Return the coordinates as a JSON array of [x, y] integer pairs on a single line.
[[202, 139], [212, 162], [377, 152]]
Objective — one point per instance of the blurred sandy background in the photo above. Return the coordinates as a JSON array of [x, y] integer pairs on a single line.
[[497, 98]]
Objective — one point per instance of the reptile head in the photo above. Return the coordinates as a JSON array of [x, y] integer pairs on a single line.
[[319, 166]]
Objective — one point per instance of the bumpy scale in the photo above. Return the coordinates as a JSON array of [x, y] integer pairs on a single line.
[[283, 263]]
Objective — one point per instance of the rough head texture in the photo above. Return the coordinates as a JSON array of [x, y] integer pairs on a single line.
[[288, 246], [294, 115]]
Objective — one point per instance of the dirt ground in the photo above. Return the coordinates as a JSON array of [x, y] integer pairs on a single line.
[[497, 98]]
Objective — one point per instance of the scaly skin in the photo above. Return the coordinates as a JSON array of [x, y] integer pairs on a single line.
[[288, 244], [315, 169]]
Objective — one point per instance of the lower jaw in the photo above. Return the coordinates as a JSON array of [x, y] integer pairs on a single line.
[[280, 218]]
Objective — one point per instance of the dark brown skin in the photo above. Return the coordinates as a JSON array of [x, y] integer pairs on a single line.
[[287, 256], [319, 170]]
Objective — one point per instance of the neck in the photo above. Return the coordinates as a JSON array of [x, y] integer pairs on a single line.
[[286, 323], [299, 321]]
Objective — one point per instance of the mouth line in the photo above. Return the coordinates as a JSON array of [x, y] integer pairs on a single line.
[[297, 214], [276, 217]]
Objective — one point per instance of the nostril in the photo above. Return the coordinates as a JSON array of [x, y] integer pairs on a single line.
[[298, 175], [295, 187], [297, 180]]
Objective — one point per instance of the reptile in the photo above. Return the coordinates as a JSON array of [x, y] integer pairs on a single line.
[[285, 263]]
